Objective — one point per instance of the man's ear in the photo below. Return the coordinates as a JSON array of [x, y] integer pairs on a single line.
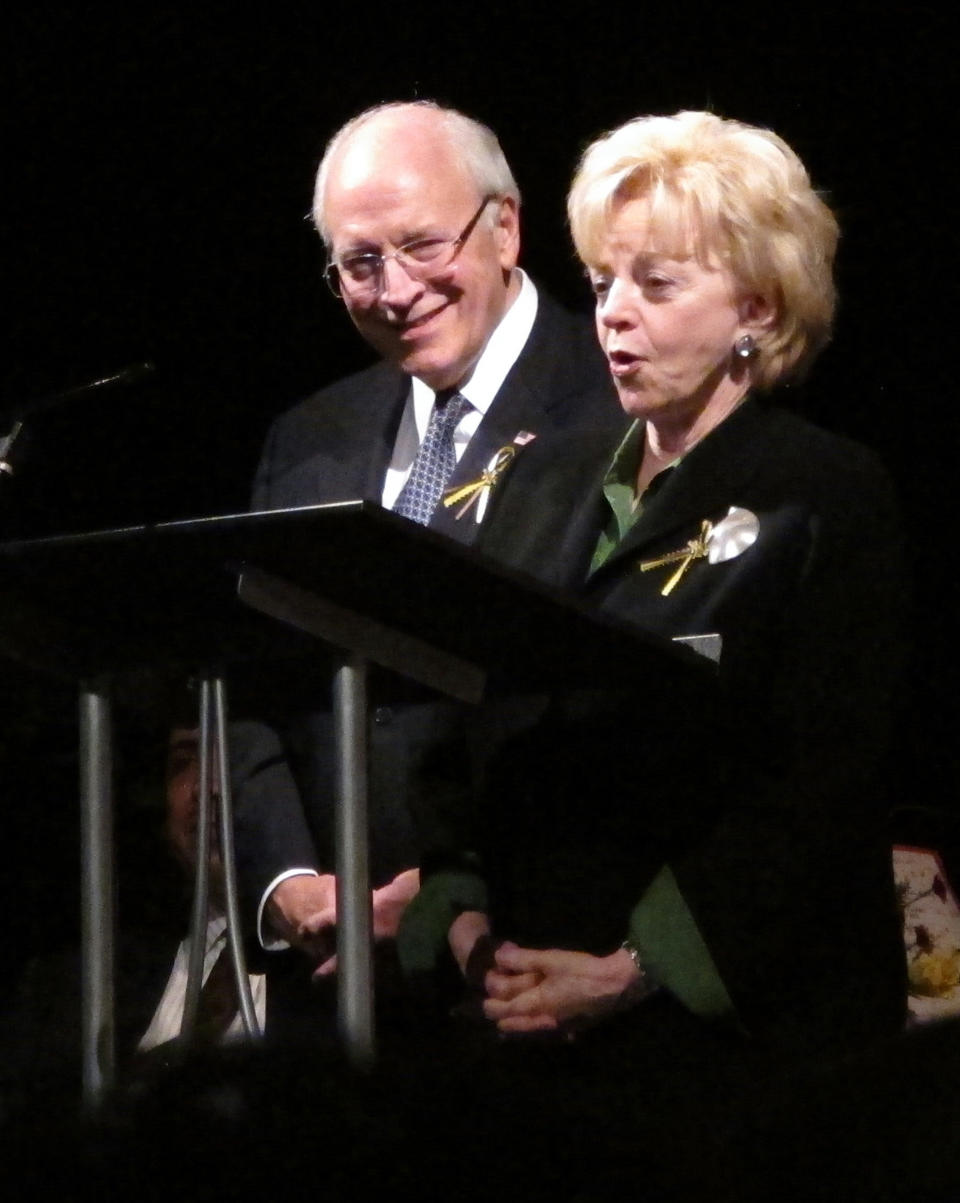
[[507, 233]]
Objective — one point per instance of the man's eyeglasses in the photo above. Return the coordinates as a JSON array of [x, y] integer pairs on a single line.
[[362, 275]]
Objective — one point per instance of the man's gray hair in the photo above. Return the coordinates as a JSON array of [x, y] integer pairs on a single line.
[[474, 144]]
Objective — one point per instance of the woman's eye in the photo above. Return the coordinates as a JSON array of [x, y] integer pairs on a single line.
[[600, 286]]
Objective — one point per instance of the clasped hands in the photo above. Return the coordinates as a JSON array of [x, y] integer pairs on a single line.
[[544, 990], [525, 990], [303, 909]]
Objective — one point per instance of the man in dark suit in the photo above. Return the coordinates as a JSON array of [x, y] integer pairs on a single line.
[[420, 216]]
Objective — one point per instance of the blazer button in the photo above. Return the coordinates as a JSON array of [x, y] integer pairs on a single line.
[[383, 716]]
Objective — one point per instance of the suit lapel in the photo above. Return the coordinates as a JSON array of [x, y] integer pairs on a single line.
[[538, 384], [546, 515], [515, 408]]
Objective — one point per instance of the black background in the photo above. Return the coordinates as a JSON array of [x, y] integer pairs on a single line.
[[158, 169]]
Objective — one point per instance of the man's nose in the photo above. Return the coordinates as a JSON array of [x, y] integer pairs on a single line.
[[396, 286]]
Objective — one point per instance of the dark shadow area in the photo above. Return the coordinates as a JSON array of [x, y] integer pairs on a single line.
[[532, 1121]]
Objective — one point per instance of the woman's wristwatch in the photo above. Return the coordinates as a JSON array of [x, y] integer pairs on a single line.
[[642, 985]]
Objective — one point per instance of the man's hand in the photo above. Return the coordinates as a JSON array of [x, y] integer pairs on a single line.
[[303, 910], [536, 991], [389, 903]]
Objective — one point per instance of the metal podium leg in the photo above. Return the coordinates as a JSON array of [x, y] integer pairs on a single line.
[[96, 890], [201, 877], [213, 741], [237, 956], [354, 918]]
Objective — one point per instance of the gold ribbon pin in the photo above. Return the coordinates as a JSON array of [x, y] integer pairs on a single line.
[[474, 489], [696, 549]]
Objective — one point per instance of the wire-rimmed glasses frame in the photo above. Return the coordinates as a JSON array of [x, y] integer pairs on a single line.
[[362, 275]]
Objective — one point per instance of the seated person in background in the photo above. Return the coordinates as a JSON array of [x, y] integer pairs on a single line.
[[746, 864], [218, 1015], [40, 1029]]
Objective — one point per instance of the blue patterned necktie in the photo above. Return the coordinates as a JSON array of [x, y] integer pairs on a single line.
[[434, 462]]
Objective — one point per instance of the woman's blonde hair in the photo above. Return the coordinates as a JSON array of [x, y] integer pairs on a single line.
[[720, 189]]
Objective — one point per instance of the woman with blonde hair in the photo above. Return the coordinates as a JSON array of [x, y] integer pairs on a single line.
[[710, 256]]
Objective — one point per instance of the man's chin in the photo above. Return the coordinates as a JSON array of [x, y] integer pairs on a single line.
[[431, 366], [429, 355]]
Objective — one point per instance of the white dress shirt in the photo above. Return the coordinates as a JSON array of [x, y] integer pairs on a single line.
[[168, 1016]]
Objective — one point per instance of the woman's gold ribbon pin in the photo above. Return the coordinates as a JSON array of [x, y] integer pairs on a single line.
[[696, 549]]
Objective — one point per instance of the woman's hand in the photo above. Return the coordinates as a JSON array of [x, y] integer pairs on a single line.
[[532, 990], [466, 929]]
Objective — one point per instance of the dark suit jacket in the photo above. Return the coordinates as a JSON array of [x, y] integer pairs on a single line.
[[787, 871], [336, 446]]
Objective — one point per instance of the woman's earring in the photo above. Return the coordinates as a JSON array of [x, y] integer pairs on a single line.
[[745, 347]]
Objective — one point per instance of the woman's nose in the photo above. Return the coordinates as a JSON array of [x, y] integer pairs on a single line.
[[617, 306]]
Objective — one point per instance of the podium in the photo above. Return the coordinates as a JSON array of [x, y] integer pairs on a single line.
[[214, 596]]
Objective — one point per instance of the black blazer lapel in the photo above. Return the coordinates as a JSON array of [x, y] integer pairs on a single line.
[[703, 485]]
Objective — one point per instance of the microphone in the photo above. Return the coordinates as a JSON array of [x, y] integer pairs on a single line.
[[133, 373], [124, 377], [6, 449]]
